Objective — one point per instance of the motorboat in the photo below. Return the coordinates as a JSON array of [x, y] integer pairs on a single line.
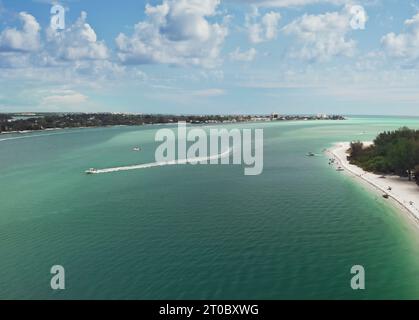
[[91, 171]]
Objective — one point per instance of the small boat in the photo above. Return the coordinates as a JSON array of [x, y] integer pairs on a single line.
[[340, 169], [137, 149], [386, 196], [311, 154], [91, 171]]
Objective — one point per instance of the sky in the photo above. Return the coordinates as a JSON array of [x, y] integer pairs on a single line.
[[210, 56]]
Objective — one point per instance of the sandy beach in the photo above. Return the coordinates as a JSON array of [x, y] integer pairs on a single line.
[[401, 191]]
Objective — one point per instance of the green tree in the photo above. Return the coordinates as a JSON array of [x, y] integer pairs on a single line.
[[357, 148], [402, 156]]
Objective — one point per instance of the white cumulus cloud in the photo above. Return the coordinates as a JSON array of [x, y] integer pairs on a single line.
[[175, 32], [26, 39], [262, 28], [64, 98], [292, 3], [322, 36], [78, 42], [404, 45]]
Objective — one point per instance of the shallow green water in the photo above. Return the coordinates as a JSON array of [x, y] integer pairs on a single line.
[[198, 232]]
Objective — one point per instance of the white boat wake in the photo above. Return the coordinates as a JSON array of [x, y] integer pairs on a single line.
[[28, 135], [161, 164]]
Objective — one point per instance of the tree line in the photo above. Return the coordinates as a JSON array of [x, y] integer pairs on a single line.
[[77, 120], [393, 152], [40, 121]]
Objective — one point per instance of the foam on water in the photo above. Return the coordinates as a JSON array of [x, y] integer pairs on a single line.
[[28, 135], [164, 163]]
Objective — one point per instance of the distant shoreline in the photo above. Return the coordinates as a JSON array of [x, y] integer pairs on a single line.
[[404, 193], [55, 129], [40, 123]]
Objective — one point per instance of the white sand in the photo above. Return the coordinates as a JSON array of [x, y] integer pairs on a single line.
[[403, 192]]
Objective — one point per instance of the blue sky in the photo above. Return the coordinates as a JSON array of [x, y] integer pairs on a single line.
[[211, 56]]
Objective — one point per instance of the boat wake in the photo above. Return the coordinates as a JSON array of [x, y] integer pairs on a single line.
[[161, 164], [29, 136]]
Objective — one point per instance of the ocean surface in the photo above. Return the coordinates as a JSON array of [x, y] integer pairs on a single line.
[[198, 232]]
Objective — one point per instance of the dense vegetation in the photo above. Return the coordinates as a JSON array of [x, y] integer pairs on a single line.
[[17, 122], [76, 120], [395, 152]]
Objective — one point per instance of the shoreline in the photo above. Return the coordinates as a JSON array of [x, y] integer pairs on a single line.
[[404, 193], [158, 124], [55, 129]]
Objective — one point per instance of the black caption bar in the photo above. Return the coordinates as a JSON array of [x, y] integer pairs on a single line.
[[184, 310]]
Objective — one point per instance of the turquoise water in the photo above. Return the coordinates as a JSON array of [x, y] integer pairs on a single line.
[[198, 232]]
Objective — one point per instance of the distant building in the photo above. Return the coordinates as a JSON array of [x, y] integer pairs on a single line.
[[322, 116]]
